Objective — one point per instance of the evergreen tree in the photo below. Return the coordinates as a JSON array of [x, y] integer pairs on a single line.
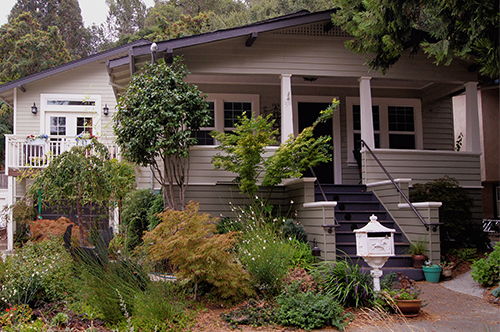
[[25, 49], [445, 29], [64, 14]]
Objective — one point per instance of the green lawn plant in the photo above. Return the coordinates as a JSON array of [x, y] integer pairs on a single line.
[[346, 282], [267, 257], [310, 310], [39, 271], [486, 271]]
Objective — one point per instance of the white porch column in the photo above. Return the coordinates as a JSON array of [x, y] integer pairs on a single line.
[[11, 227], [286, 107], [472, 135], [365, 98]]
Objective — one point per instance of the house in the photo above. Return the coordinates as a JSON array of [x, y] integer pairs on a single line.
[[292, 66], [489, 121]]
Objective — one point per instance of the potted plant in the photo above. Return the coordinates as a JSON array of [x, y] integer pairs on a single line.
[[447, 268], [84, 138], [406, 298], [417, 251], [37, 139], [432, 272]]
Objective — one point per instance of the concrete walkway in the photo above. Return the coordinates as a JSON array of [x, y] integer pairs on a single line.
[[453, 306]]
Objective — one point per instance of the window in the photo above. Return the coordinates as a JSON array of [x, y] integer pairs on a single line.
[[235, 110], [401, 127], [83, 125], [397, 124], [203, 135], [225, 109]]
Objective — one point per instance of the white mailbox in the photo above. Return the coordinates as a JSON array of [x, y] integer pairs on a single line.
[[375, 243], [374, 239]]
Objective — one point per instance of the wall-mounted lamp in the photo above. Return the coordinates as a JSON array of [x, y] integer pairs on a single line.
[[105, 110], [34, 109]]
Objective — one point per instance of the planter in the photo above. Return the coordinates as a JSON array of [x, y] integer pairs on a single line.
[[432, 273], [83, 142], [418, 260], [37, 141], [409, 308], [447, 273]]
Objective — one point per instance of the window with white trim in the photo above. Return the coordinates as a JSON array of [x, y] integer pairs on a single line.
[[397, 124], [69, 115], [225, 109]]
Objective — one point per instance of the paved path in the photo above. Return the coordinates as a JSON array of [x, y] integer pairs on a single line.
[[455, 305]]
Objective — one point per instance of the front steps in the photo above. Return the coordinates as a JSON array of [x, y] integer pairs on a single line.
[[354, 207]]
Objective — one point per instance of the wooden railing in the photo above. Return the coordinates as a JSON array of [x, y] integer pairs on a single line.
[[21, 154]]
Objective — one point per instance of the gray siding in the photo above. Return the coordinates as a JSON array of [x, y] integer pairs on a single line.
[[437, 123]]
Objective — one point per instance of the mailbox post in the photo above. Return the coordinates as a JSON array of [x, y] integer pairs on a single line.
[[375, 243]]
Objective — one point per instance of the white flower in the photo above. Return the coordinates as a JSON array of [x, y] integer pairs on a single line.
[[291, 201], [264, 248], [253, 258]]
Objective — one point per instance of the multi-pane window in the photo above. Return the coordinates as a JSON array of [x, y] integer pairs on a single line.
[[58, 125], [234, 110], [401, 127], [203, 134], [83, 125], [397, 124]]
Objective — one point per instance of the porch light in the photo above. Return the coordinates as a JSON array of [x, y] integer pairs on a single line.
[[316, 251], [34, 109], [105, 110]]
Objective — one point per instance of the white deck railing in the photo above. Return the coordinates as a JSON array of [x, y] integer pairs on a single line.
[[21, 154]]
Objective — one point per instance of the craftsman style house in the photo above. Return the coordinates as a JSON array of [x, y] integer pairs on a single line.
[[290, 66]]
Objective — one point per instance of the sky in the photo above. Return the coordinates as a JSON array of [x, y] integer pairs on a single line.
[[93, 11]]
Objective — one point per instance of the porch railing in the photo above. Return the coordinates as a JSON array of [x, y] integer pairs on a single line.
[[401, 192], [21, 154]]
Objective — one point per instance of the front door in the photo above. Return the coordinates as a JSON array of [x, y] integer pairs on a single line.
[[308, 112]]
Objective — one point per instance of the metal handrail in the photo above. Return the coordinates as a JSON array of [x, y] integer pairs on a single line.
[[434, 226]]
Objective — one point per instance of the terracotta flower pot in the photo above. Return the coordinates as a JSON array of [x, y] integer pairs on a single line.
[[409, 308], [418, 260]]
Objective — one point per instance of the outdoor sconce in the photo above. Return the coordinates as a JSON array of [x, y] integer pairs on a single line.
[[316, 252], [34, 109], [105, 110]]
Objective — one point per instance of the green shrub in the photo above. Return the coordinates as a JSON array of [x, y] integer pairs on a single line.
[[293, 229], [301, 255], [161, 307], [254, 313], [266, 257], [135, 222], [156, 207], [455, 213], [345, 282], [466, 254], [486, 271], [309, 310], [108, 286], [37, 271]]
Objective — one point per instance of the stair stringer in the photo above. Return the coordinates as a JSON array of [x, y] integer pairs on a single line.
[[409, 224]]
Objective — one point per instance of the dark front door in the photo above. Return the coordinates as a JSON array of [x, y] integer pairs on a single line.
[[308, 113]]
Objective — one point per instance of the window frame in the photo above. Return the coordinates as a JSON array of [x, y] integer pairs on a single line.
[[74, 111], [383, 104], [219, 99]]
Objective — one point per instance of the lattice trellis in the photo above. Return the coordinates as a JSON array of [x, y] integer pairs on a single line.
[[315, 29]]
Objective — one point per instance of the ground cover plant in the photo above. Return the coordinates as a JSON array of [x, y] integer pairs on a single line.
[[346, 282], [486, 271]]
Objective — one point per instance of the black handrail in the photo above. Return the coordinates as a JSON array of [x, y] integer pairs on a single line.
[[434, 226]]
